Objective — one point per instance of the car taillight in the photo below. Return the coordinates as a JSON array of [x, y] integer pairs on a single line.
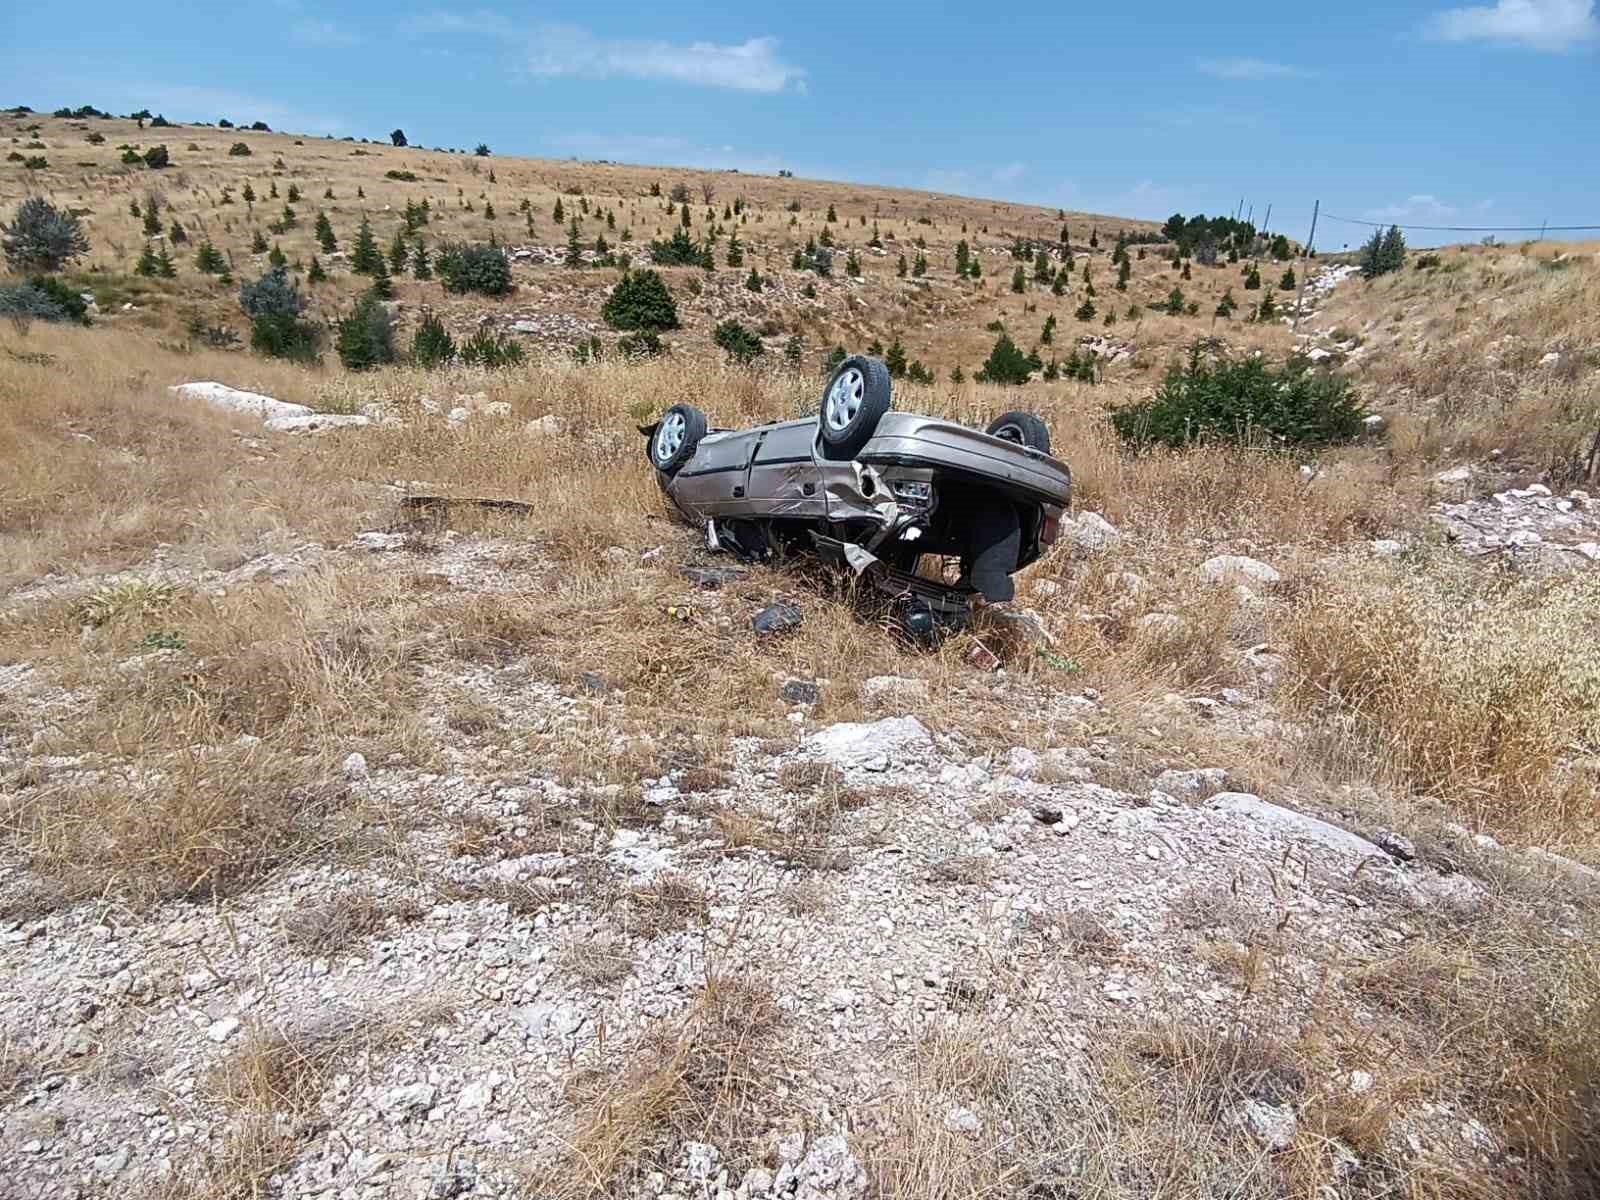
[[915, 490], [1051, 530]]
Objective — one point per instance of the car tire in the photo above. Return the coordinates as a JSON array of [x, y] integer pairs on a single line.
[[672, 442], [853, 402], [1024, 428]]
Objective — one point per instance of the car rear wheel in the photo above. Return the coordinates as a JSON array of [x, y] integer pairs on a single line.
[[1023, 428], [853, 402], [675, 437]]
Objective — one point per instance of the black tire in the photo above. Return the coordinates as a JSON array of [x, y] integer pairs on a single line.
[[1024, 428], [853, 402], [674, 438]]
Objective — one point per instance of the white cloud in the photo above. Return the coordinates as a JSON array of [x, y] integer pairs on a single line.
[[568, 51], [1251, 68], [1532, 24], [1421, 208], [313, 31]]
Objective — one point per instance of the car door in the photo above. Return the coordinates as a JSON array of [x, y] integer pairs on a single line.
[[783, 479], [712, 483]]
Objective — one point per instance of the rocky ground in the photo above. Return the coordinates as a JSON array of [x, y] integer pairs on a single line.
[[882, 881]]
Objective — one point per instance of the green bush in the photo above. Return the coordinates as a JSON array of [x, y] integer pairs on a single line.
[[1384, 251], [274, 294], [432, 345], [401, 176], [742, 344], [280, 335], [487, 349], [640, 301], [42, 298], [1245, 401], [365, 257], [157, 157], [366, 336], [1005, 364], [239, 150], [42, 237], [473, 267]]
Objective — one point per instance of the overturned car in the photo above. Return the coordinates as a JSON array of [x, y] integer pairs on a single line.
[[932, 513]]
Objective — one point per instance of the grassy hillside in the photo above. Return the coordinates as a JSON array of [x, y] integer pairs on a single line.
[[592, 885]]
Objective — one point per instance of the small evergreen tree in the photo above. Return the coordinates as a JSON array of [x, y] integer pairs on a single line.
[[152, 220], [753, 282], [1006, 363], [315, 273], [1252, 280], [902, 267], [1048, 333], [146, 266], [852, 265], [895, 359], [1085, 311], [42, 237], [294, 194], [640, 301], [574, 255], [432, 345], [421, 268], [963, 257], [742, 345], [366, 259], [558, 214], [919, 268], [249, 195], [1019, 281], [277, 258], [366, 337], [1227, 305], [325, 237], [208, 259], [832, 216], [956, 376], [794, 350], [735, 252], [488, 210], [1124, 272], [1287, 283], [1175, 302], [398, 252]]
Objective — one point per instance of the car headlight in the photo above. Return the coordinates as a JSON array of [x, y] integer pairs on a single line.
[[918, 491]]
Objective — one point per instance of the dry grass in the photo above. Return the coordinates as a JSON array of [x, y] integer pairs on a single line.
[[702, 1076], [323, 928], [1469, 689], [668, 903]]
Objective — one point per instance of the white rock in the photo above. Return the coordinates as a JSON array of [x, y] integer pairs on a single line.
[[1359, 1082], [1237, 568], [1201, 782], [872, 745], [1163, 625], [316, 422], [1090, 531], [1387, 547], [377, 541], [1022, 762], [355, 765], [457, 415], [479, 1094], [1454, 475], [400, 1103], [1293, 824], [700, 1160], [220, 395], [223, 1029], [962, 1120], [894, 689], [1271, 1124], [1374, 423], [546, 426]]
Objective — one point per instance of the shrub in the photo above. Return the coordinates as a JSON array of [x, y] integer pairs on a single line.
[[272, 295], [640, 301], [1287, 283], [42, 298], [679, 251], [239, 150], [280, 335], [1005, 364], [157, 157], [324, 230], [401, 176], [96, 138], [1019, 281], [398, 137], [741, 343], [1084, 311], [488, 349], [130, 156], [432, 345], [314, 272], [1243, 401], [41, 237], [473, 267], [366, 336], [483, 150]]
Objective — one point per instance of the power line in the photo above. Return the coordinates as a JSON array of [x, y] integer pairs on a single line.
[[1468, 228]]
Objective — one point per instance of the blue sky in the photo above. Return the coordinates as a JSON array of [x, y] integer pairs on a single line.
[[1416, 112]]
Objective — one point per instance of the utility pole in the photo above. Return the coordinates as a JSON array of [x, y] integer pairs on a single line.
[[1305, 266], [1266, 221]]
